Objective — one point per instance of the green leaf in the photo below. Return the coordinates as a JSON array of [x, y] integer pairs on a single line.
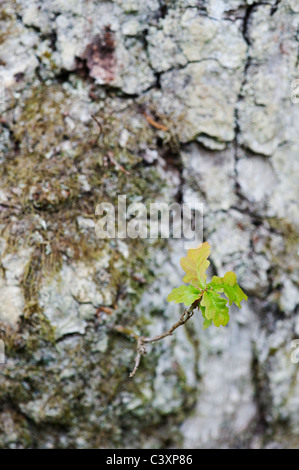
[[206, 322], [228, 285], [215, 308], [195, 264], [184, 294]]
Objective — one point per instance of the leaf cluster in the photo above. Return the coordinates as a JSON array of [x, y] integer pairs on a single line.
[[207, 296]]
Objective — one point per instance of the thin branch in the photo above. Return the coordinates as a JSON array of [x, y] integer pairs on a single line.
[[141, 351], [183, 319], [153, 123], [100, 126], [143, 340], [115, 163]]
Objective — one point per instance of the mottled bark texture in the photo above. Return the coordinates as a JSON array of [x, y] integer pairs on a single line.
[[218, 75]]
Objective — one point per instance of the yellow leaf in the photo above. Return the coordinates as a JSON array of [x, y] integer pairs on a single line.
[[195, 264]]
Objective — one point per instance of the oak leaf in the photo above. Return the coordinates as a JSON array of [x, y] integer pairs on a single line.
[[195, 265]]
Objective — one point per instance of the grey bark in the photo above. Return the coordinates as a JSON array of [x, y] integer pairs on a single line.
[[220, 76]]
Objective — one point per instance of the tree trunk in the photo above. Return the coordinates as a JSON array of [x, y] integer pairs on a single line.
[[193, 101]]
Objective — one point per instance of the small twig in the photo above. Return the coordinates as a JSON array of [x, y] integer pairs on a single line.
[[116, 164], [107, 310], [141, 351], [9, 206], [183, 319], [153, 123], [143, 340], [109, 154], [100, 126]]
